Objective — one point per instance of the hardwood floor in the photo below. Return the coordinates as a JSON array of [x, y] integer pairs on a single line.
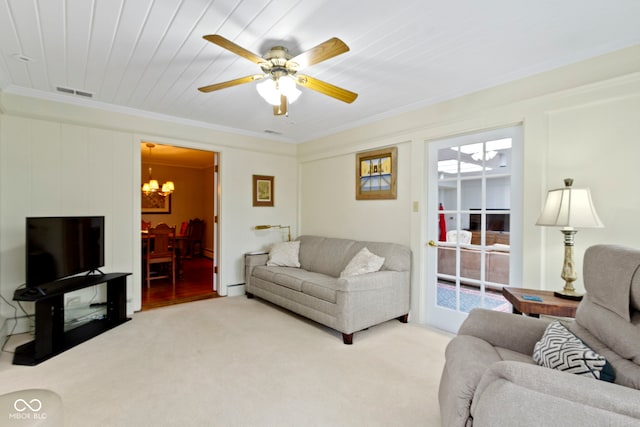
[[196, 284]]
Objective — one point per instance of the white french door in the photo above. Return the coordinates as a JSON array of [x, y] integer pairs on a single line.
[[474, 223]]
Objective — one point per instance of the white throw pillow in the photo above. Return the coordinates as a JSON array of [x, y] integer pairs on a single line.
[[284, 254], [363, 262]]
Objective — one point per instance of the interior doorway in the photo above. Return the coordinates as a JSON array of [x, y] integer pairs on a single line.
[[192, 209], [474, 231]]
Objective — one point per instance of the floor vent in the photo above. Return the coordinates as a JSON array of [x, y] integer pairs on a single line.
[[74, 92]]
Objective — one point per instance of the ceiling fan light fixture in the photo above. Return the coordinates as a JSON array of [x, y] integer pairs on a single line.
[[268, 90], [279, 72], [488, 155], [287, 87]]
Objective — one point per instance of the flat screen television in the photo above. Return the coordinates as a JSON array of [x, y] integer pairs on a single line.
[[59, 247], [495, 221]]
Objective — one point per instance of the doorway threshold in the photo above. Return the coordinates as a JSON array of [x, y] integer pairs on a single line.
[[181, 300]]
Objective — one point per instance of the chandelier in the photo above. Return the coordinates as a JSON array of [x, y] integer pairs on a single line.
[[152, 187]]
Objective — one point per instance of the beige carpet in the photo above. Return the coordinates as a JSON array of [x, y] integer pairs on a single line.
[[240, 362]]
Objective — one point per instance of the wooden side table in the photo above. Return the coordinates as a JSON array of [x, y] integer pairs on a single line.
[[550, 304]]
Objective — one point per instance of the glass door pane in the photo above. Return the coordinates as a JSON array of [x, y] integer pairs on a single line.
[[473, 186]]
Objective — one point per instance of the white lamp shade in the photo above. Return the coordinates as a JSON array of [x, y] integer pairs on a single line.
[[168, 187], [569, 207], [293, 95], [287, 86], [269, 92], [153, 185]]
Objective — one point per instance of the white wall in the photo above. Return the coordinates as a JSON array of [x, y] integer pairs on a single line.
[[581, 121], [55, 169], [329, 207], [60, 159], [239, 217]]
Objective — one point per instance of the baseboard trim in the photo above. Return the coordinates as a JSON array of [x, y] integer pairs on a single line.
[[235, 290]]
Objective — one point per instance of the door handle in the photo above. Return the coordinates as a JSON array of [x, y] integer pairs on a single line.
[[432, 243]]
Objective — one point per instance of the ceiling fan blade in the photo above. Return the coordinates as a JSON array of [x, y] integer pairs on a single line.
[[281, 110], [230, 83], [232, 47], [322, 52], [327, 88]]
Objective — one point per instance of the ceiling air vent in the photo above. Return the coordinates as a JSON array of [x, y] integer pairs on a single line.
[[74, 92], [272, 132], [85, 94]]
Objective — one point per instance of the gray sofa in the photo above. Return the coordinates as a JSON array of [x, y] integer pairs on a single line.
[[315, 290], [491, 379]]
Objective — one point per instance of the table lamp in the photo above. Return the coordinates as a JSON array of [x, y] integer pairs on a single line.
[[266, 227], [569, 208]]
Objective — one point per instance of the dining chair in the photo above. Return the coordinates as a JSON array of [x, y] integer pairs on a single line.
[[161, 250], [195, 235]]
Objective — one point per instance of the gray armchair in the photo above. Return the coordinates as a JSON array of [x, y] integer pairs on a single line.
[[490, 378]]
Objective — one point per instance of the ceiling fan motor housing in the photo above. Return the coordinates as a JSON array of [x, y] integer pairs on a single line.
[[277, 63]]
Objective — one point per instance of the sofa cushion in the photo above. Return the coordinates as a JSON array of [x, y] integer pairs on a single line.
[[330, 256], [363, 262], [283, 276], [296, 279], [325, 255], [322, 287], [284, 254], [560, 349]]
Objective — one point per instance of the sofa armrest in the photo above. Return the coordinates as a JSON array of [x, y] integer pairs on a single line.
[[552, 398], [370, 281], [514, 332], [256, 259], [250, 262]]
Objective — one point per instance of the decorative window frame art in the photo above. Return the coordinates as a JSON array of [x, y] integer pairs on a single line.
[[153, 203], [263, 190], [376, 174]]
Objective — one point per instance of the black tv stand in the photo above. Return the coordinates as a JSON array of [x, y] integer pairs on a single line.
[[50, 337], [31, 292]]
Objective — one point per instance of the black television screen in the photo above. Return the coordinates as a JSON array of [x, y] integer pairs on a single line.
[[494, 221], [59, 247]]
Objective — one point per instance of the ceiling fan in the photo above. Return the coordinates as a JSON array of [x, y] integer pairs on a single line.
[[280, 72]]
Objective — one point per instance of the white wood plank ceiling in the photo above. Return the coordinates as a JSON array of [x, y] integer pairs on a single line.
[[149, 55]]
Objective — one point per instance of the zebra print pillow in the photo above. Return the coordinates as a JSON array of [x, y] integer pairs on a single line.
[[560, 349]]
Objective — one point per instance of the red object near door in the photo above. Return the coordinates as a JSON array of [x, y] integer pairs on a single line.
[[442, 223]]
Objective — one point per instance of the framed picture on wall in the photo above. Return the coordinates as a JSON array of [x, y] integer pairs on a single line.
[[263, 191], [153, 203], [376, 173]]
